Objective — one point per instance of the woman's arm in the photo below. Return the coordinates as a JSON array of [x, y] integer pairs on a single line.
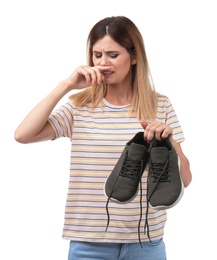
[[35, 127], [185, 171]]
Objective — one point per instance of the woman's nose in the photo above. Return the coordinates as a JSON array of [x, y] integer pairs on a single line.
[[104, 60]]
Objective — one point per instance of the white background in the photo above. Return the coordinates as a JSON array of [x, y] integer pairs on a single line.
[[41, 43]]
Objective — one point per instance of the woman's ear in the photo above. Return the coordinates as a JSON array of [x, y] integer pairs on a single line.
[[133, 59]]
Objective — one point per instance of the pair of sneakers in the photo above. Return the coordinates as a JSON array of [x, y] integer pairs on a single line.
[[164, 184]]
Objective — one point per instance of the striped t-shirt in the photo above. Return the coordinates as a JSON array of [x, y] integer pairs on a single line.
[[98, 138]]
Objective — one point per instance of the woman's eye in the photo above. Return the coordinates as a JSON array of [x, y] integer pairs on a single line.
[[98, 56], [114, 56]]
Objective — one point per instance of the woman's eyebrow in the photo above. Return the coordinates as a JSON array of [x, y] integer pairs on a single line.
[[109, 52]]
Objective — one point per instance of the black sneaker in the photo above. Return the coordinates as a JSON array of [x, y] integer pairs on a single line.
[[165, 187], [122, 184]]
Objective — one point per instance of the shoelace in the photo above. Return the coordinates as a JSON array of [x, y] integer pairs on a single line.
[[130, 167], [159, 172], [129, 170]]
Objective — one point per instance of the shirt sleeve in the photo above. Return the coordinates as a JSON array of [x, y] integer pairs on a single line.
[[166, 113], [62, 121]]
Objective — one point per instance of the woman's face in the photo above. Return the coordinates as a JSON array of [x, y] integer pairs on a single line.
[[107, 52]]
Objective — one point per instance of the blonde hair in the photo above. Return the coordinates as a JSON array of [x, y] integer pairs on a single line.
[[125, 33]]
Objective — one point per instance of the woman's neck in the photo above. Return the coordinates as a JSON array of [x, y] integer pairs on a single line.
[[119, 96]]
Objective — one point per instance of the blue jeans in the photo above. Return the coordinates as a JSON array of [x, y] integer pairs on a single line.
[[116, 251]]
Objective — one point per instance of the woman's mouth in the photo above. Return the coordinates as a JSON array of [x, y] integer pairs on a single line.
[[106, 73]]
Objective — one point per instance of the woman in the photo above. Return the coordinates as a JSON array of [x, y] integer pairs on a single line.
[[116, 100]]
